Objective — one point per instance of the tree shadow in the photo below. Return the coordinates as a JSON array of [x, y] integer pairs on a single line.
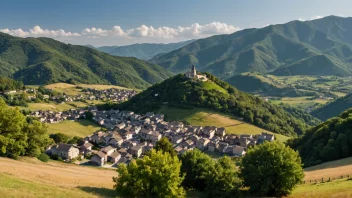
[[101, 192]]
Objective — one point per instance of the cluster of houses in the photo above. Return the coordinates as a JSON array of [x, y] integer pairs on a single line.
[[56, 117], [112, 94], [131, 135]]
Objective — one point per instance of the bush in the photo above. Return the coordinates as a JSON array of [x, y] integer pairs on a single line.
[[43, 157]]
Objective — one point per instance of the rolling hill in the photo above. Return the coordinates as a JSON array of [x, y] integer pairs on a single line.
[[318, 47], [333, 108], [328, 141], [45, 61], [144, 51], [216, 95]]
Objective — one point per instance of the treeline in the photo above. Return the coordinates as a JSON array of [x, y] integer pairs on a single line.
[[20, 136], [330, 140], [333, 108], [9, 84], [298, 113], [180, 91], [161, 173]]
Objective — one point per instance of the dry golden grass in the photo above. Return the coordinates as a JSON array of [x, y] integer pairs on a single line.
[[332, 169], [53, 179], [80, 128]]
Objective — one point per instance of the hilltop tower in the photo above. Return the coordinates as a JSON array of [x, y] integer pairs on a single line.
[[193, 71]]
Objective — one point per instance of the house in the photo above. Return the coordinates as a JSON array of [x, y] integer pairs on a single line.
[[209, 132], [154, 136], [212, 146], [67, 151], [115, 141], [108, 150], [244, 142], [114, 157], [222, 147], [265, 137], [86, 147], [99, 159], [202, 143], [239, 151], [136, 151], [121, 125], [176, 139], [220, 132]]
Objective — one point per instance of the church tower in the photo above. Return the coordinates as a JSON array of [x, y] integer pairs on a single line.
[[193, 71]]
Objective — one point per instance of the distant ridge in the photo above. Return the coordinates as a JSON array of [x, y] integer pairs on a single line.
[[318, 47], [44, 61], [144, 51]]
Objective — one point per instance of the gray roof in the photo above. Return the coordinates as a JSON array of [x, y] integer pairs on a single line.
[[64, 147]]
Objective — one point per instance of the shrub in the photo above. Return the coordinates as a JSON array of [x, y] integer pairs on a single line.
[[43, 157]]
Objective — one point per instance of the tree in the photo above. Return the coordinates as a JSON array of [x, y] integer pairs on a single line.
[[59, 138], [165, 145], [19, 137], [271, 169], [156, 175], [197, 166], [224, 181]]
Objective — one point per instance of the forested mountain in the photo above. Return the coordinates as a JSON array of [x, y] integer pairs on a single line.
[[318, 47], [333, 108], [44, 60], [217, 95], [144, 51], [7, 84], [327, 141]]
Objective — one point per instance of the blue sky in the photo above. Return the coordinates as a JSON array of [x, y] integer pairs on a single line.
[[121, 22]]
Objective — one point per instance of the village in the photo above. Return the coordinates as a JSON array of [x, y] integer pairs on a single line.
[[128, 135]]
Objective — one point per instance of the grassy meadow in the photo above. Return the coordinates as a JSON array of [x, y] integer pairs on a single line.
[[70, 89], [32, 178], [80, 128], [203, 117]]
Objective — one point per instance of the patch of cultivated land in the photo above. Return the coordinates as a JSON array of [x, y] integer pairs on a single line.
[[80, 128], [31, 178], [203, 117]]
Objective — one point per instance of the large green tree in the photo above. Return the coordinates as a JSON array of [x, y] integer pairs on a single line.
[[156, 175], [166, 146], [271, 169], [197, 166], [224, 181], [19, 137]]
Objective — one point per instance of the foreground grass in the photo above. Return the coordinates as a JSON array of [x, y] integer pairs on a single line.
[[204, 117], [337, 188], [29, 177], [80, 128]]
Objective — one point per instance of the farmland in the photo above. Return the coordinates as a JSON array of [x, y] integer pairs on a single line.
[[80, 128]]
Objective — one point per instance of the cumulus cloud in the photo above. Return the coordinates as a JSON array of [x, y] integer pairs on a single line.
[[119, 35]]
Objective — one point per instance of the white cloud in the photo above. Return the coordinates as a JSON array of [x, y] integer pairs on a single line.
[[316, 17], [117, 35]]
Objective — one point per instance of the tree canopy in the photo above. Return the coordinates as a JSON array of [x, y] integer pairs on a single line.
[[19, 137], [327, 141], [165, 145], [271, 169], [156, 175]]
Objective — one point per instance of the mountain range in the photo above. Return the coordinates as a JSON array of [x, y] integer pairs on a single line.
[[43, 60], [318, 47], [144, 51]]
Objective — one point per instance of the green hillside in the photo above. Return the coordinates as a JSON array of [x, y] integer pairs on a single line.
[[181, 92], [144, 51], [330, 140], [319, 47], [333, 108], [45, 61]]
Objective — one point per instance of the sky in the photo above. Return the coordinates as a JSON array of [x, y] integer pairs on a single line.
[[124, 22]]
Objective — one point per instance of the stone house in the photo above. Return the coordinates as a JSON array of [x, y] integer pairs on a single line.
[[99, 158], [220, 132], [222, 147], [213, 146], [136, 151], [202, 143], [114, 157], [67, 151], [239, 151], [108, 150]]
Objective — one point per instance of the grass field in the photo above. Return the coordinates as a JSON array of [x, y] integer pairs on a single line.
[[70, 89], [31, 178], [203, 117], [80, 128]]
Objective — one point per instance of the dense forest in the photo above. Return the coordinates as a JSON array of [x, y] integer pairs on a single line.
[[327, 141], [9, 84], [218, 95]]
